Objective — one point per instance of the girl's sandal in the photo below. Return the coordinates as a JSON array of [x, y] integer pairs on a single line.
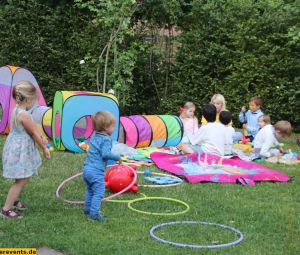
[[10, 214], [18, 205]]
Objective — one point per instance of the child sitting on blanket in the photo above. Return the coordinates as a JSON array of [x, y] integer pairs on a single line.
[[209, 138], [189, 121], [266, 138], [225, 119], [263, 121]]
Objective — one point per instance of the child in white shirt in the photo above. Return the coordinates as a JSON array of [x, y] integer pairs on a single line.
[[266, 138], [225, 119], [210, 138]]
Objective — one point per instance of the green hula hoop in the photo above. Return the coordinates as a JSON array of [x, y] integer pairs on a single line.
[[158, 198], [126, 201]]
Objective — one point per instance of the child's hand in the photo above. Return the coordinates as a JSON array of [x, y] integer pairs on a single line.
[[45, 141], [245, 126], [243, 109], [46, 153]]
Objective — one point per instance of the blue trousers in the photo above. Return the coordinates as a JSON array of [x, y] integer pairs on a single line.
[[95, 189]]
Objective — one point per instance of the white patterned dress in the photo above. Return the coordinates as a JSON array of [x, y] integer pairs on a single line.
[[21, 157]]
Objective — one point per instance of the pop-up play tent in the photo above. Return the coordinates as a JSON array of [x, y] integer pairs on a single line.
[[71, 116], [9, 77], [151, 130]]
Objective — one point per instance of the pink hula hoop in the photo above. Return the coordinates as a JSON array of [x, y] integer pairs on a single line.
[[81, 202]]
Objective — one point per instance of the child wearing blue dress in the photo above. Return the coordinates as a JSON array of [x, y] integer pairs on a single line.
[[21, 158], [94, 166]]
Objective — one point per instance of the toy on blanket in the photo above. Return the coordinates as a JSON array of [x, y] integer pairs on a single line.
[[289, 158], [245, 140], [119, 177]]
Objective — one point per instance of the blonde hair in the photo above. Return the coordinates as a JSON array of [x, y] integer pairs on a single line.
[[189, 105], [102, 120], [266, 119], [219, 98], [23, 92], [284, 127]]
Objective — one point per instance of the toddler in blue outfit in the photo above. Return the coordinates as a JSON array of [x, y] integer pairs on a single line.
[[249, 119], [94, 166]]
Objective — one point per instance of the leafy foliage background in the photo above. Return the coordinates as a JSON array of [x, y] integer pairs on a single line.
[[240, 48]]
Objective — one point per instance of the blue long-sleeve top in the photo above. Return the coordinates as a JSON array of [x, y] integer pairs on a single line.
[[252, 120], [99, 152]]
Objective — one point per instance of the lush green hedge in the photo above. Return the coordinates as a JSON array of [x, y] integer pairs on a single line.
[[239, 48], [242, 50]]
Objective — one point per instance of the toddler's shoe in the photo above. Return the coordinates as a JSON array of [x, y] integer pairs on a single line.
[[10, 214], [97, 217]]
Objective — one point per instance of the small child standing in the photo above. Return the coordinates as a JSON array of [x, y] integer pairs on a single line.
[[267, 137], [95, 164], [225, 119], [189, 121], [210, 137], [21, 158], [249, 119]]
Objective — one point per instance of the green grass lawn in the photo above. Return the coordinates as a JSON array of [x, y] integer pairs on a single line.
[[268, 215]]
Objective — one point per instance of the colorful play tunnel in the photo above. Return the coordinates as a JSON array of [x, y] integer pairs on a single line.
[[9, 77], [71, 117], [151, 130]]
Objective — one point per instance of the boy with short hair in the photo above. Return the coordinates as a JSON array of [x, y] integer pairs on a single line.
[[210, 137], [267, 137], [249, 118], [225, 119]]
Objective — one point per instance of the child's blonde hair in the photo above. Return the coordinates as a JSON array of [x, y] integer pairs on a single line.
[[23, 92], [219, 98], [103, 120], [187, 105], [284, 127], [266, 119]]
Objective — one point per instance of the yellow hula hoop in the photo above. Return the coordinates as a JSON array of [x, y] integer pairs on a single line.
[[126, 201], [158, 198]]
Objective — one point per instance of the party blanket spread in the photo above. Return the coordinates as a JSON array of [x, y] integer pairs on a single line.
[[212, 168]]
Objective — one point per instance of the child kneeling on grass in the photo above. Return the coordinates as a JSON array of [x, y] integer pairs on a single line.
[[95, 164], [266, 138]]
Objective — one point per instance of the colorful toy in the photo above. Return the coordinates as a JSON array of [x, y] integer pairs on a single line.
[[147, 172], [119, 177], [245, 140], [50, 147]]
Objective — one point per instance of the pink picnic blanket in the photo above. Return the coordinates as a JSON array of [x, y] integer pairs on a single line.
[[212, 168]]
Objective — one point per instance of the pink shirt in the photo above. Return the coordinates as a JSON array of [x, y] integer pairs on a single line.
[[190, 126]]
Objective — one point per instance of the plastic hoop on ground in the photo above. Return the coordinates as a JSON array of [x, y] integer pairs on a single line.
[[160, 185], [81, 202], [241, 236], [158, 198], [125, 201]]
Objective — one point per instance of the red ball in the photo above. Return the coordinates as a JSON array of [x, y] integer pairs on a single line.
[[119, 177]]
